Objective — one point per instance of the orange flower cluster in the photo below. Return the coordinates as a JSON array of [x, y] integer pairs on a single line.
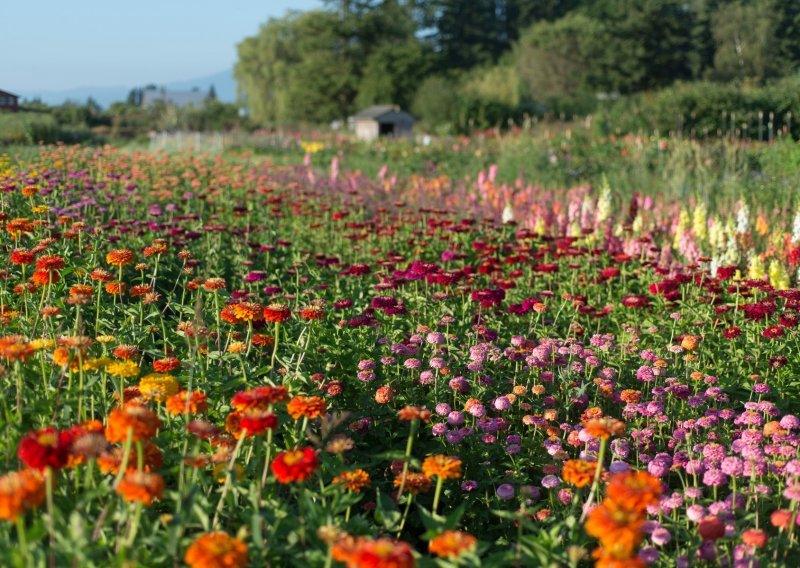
[[15, 348], [216, 550], [277, 313], [452, 544], [120, 257], [242, 312], [354, 480], [19, 492], [258, 398], [415, 483], [578, 473], [144, 423], [367, 553], [617, 522], [442, 466], [185, 402], [109, 462], [306, 407], [604, 428], [141, 487], [409, 413]]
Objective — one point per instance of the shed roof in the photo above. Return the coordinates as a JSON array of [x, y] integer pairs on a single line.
[[7, 94], [376, 111], [384, 114]]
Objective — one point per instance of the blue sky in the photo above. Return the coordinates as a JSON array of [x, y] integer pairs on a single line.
[[56, 44]]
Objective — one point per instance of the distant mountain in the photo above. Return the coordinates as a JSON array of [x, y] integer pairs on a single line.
[[224, 85]]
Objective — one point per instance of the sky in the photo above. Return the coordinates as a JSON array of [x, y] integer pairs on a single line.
[[54, 44]]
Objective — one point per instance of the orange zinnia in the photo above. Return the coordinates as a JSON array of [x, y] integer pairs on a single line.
[[185, 402], [578, 473], [366, 553], [354, 480], [604, 428], [20, 491], [306, 406], [144, 423], [15, 348], [277, 313], [120, 257], [618, 529], [452, 544], [415, 484], [442, 466], [109, 462], [141, 487], [602, 559], [259, 397], [634, 490], [216, 550]]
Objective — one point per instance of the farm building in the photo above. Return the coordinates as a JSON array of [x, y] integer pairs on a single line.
[[382, 120], [9, 101]]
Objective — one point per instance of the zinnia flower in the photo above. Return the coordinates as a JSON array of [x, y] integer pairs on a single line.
[[141, 487], [19, 492], [120, 257], [277, 313], [618, 529], [216, 550], [578, 473], [634, 490], [442, 466], [354, 480], [367, 553], [142, 422], [185, 402], [306, 406], [260, 397], [452, 544], [158, 387], [45, 448], [295, 465]]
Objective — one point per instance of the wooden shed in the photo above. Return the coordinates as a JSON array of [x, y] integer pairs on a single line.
[[9, 101], [382, 120]]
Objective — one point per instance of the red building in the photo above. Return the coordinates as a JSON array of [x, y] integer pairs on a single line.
[[9, 101]]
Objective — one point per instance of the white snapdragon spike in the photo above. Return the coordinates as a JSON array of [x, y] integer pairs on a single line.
[[731, 253], [715, 264], [604, 202], [796, 228], [508, 213], [587, 211], [743, 219]]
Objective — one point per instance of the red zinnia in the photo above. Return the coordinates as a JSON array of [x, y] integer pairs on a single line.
[[21, 256], [732, 332], [296, 465], [277, 313], [45, 448], [711, 528], [634, 301], [257, 422], [773, 332]]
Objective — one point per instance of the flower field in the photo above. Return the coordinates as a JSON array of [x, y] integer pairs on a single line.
[[213, 362]]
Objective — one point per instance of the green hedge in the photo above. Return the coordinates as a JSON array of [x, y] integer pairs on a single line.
[[708, 109]]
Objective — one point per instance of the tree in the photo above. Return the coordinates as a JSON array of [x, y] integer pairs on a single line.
[[558, 59], [745, 42]]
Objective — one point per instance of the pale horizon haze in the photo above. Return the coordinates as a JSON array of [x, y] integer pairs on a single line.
[[50, 46]]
